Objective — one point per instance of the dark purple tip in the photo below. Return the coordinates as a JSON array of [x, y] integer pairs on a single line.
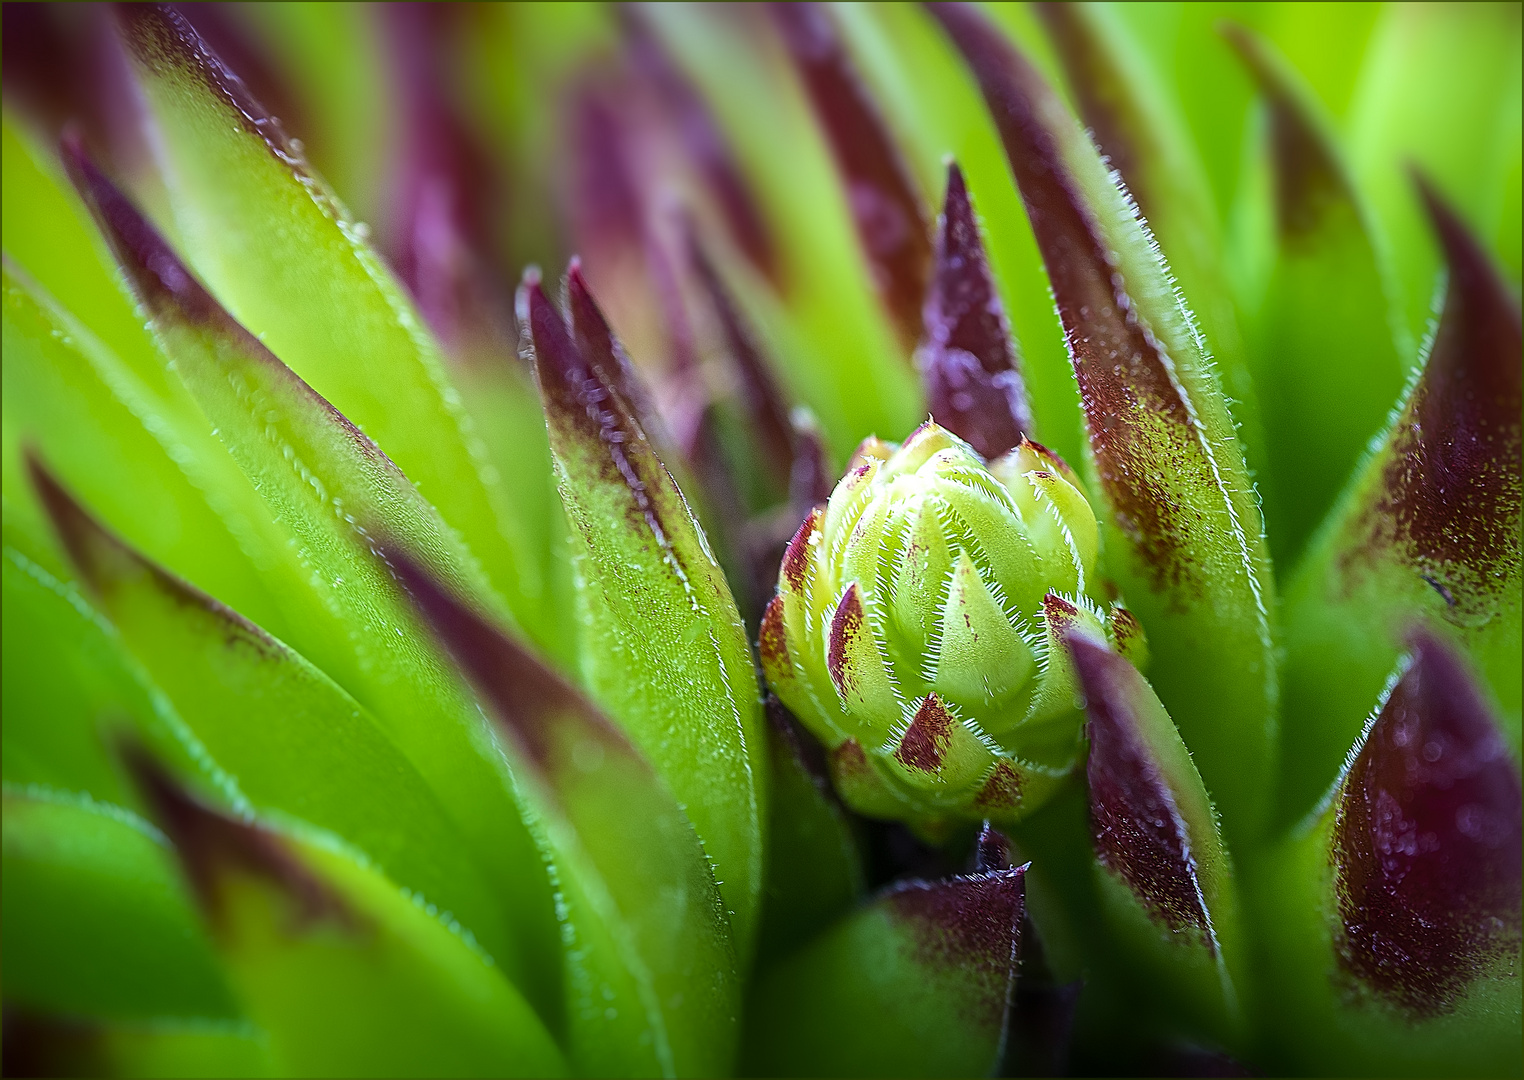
[[967, 358], [925, 742], [602, 350], [1308, 178], [162, 283], [702, 138], [887, 209], [796, 557], [104, 560], [215, 848], [532, 702], [1134, 823], [1450, 501], [992, 850], [1427, 841], [1125, 386], [969, 924], [810, 480]]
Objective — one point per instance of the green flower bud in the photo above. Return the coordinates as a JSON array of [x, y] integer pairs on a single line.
[[918, 624]]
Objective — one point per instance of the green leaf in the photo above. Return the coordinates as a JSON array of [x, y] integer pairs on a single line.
[[1321, 335], [664, 651], [331, 487], [652, 974], [274, 243], [1182, 528], [1426, 533], [345, 971], [916, 983], [814, 868], [97, 921], [297, 743]]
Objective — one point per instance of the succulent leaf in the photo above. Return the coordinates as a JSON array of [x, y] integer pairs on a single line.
[[340, 967], [1189, 551], [635, 885], [97, 920], [1321, 338], [917, 983], [298, 744], [281, 250], [667, 654], [1428, 530], [1396, 902]]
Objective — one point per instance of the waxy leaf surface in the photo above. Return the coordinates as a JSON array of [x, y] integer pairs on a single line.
[[1183, 529]]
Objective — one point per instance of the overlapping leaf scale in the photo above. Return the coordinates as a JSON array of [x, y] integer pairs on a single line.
[[1183, 531], [296, 742], [664, 651], [1427, 532], [276, 245], [328, 485], [1321, 331], [344, 971], [915, 983], [651, 971], [97, 921]]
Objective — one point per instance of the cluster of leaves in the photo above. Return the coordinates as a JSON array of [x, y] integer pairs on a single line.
[[379, 701]]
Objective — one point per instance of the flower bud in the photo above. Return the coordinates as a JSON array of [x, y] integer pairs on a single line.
[[918, 627]]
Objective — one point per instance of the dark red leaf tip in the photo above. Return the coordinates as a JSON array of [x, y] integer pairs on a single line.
[[103, 559], [1135, 414], [796, 558], [214, 849], [992, 850], [967, 357], [1427, 840], [1308, 177], [533, 704], [971, 925], [159, 278], [1134, 822], [1001, 790], [925, 742], [886, 207], [772, 638], [847, 628], [1450, 499], [162, 39]]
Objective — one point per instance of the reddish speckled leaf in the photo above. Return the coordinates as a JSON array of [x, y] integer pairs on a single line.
[[664, 652], [918, 983], [1182, 526], [967, 356], [1156, 841], [1429, 530], [646, 924], [890, 215], [337, 964]]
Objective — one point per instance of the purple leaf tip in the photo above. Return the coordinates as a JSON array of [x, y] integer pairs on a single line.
[[967, 358], [1135, 824], [1427, 841]]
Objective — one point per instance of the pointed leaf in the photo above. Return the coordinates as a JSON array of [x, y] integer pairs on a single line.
[[331, 486], [270, 238], [917, 983], [890, 214], [296, 742], [967, 357], [667, 655], [1428, 530], [1183, 525], [658, 969], [345, 971], [1320, 343], [1165, 875], [97, 921], [1391, 917]]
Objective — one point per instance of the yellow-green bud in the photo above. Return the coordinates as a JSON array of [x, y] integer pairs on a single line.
[[918, 622]]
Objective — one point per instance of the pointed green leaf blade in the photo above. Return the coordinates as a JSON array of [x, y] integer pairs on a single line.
[[275, 243], [1183, 528], [665, 652], [345, 971]]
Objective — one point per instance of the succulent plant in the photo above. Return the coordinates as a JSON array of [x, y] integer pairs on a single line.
[[408, 675]]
